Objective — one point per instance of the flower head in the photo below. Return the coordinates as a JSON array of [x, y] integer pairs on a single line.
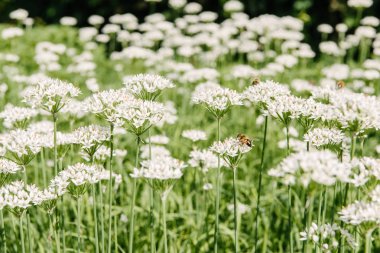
[[147, 86], [50, 94]]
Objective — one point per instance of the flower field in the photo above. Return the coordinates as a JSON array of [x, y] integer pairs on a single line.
[[190, 132]]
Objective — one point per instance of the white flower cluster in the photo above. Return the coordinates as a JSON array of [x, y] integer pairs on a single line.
[[264, 92], [310, 166], [21, 144], [80, 174], [147, 86], [104, 104], [194, 135], [91, 136], [363, 211], [323, 137], [50, 94], [8, 167], [17, 117], [203, 159], [231, 150], [217, 100], [161, 168], [140, 115], [326, 236], [18, 196], [240, 208]]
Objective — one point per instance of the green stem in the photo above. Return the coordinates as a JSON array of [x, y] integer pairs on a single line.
[[287, 140], [55, 143], [151, 205], [217, 198], [235, 211], [110, 191], [28, 233], [290, 225], [368, 241], [132, 212], [3, 237], [101, 216], [78, 225], [260, 180], [164, 223], [21, 234], [353, 146], [95, 218]]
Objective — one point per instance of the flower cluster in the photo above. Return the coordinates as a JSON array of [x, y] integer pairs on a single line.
[[17, 117], [231, 150], [217, 100], [147, 86], [326, 236], [91, 137], [50, 94], [324, 137]]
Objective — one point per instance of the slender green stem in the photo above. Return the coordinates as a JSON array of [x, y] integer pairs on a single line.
[[260, 180], [3, 237], [287, 140], [164, 224], [95, 218], [132, 211], [51, 232], [21, 234], [235, 211], [305, 223], [368, 241], [78, 225], [110, 191], [353, 146], [217, 197], [151, 205], [324, 208], [290, 221], [29, 232], [55, 143], [101, 216]]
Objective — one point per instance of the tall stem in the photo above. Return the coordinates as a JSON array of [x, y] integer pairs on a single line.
[[287, 140], [21, 234], [164, 223], [353, 145], [3, 238], [368, 241], [95, 218], [110, 191], [151, 205], [101, 216], [132, 212], [290, 221], [28, 232], [78, 225], [260, 180], [235, 212], [217, 198], [55, 143]]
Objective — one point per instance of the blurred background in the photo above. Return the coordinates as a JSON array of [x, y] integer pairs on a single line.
[[312, 12]]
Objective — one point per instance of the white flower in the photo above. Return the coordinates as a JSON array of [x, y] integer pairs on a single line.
[[68, 21], [12, 32], [50, 94], [147, 86], [140, 115], [104, 104], [233, 6], [231, 150], [263, 92], [18, 196], [322, 137], [241, 208], [203, 159], [360, 3], [194, 135], [154, 150], [8, 167], [95, 20], [17, 117], [19, 14], [161, 168], [326, 236], [159, 139], [91, 137], [218, 100]]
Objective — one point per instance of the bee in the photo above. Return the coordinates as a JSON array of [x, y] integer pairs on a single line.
[[244, 140], [255, 80], [340, 84]]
